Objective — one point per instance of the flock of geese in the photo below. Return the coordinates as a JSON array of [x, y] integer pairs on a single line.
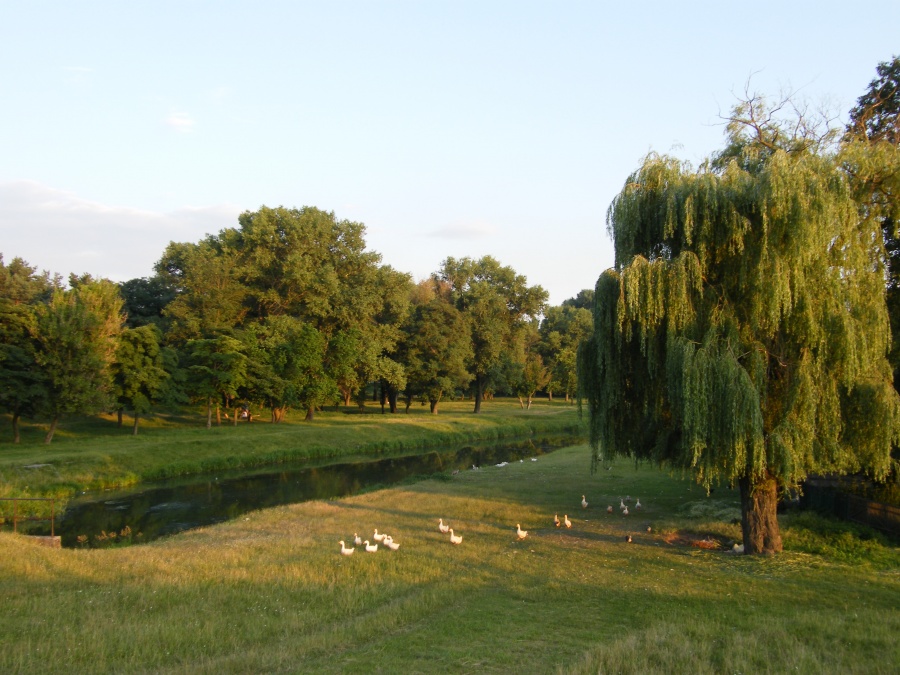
[[388, 542]]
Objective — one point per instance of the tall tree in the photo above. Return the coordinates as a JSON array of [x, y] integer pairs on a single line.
[[76, 335], [562, 330], [138, 371], [209, 296], [218, 368], [742, 333], [146, 300], [22, 385], [307, 264], [875, 125], [497, 304], [436, 351]]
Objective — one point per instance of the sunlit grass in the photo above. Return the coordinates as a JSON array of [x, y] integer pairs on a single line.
[[270, 592]]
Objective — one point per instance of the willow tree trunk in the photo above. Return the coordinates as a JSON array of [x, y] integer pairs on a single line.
[[119, 414], [759, 515], [209, 413], [310, 412], [134, 429], [15, 425]]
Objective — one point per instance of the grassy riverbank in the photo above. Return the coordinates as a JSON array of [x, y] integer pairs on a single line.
[[270, 592], [94, 453]]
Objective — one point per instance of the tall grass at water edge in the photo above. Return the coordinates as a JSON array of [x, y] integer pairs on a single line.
[[94, 453], [270, 592]]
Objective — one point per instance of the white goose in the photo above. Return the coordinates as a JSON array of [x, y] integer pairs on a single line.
[[556, 520], [567, 521], [443, 528], [625, 512], [622, 504], [520, 533], [638, 504], [376, 536], [370, 548], [357, 540], [454, 538], [345, 550], [393, 545], [583, 502], [609, 509]]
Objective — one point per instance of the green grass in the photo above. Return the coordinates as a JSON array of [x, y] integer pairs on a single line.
[[94, 453], [269, 592]]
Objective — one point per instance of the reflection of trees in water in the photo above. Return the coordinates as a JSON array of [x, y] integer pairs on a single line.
[[164, 510]]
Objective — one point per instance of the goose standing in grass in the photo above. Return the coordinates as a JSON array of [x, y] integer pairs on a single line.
[[622, 504], [556, 519], [370, 548], [443, 528], [638, 504], [567, 521], [357, 540], [454, 538], [345, 550], [376, 536], [609, 509], [390, 543], [583, 502], [520, 533], [625, 512]]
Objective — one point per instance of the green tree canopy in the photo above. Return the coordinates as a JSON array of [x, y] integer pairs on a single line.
[[497, 303], [218, 369], [873, 161], [22, 384], [75, 334], [562, 331], [138, 371], [436, 351], [742, 333]]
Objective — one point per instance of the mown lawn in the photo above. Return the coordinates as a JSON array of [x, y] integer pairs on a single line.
[[270, 592]]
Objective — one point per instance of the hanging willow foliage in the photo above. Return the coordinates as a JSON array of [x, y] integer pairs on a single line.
[[743, 330]]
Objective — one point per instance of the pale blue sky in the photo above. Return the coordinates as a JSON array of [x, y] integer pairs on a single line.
[[448, 128]]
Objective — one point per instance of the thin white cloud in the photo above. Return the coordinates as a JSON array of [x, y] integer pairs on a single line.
[[475, 229], [60, 232], [181, 122]]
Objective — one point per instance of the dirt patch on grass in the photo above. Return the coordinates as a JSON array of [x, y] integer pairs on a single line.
[[689, 539]]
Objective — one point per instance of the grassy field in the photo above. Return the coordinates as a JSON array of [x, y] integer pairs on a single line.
[[270, 592], [94, 453]]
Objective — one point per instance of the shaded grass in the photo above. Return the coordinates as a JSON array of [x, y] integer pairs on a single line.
[[270, 593]]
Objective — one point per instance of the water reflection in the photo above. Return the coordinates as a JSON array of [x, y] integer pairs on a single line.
[[172, 507]]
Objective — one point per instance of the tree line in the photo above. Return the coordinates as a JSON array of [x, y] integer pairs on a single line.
[[288, 310]]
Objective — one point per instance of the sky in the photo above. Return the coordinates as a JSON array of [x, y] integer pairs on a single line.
[[447, 128]]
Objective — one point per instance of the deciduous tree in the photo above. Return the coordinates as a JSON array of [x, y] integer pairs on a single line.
[[496, 303], [138, 371], [742, 333], [22, 385], [76, 335]]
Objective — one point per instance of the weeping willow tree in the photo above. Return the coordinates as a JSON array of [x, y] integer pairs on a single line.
[[742, 333]]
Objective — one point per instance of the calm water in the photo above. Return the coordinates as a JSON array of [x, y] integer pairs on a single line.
[[167, 508]]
